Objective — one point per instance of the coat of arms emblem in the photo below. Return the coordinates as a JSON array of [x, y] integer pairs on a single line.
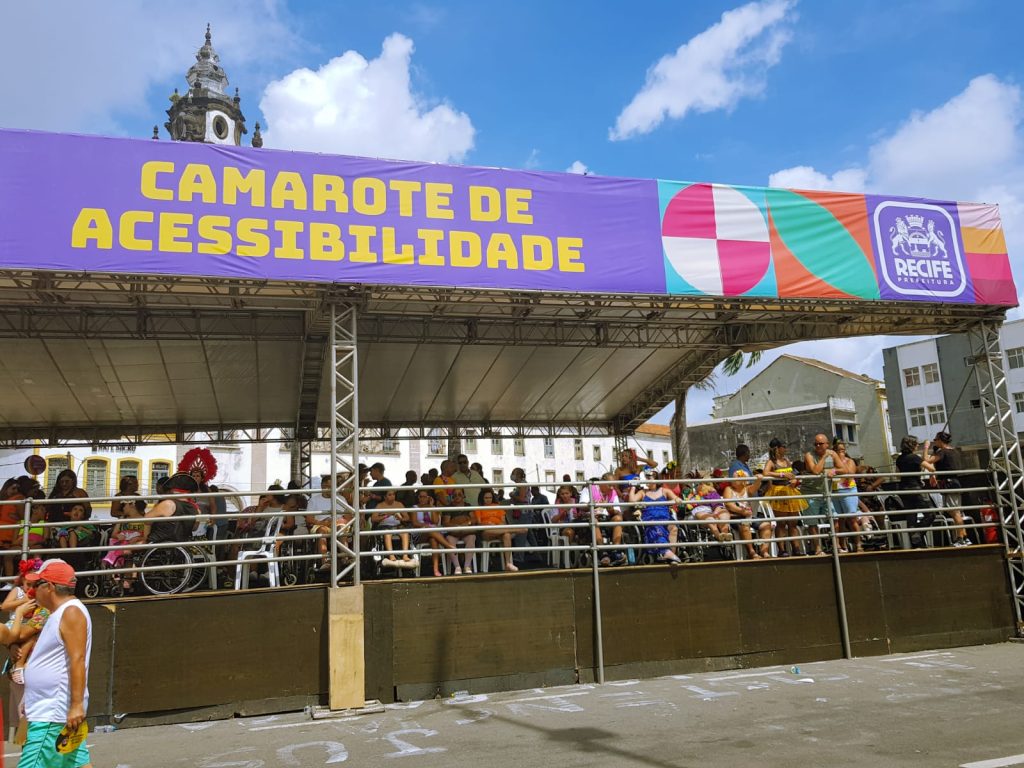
[[914, 236]]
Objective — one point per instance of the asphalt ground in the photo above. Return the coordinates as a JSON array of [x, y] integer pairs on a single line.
[[939, 708]]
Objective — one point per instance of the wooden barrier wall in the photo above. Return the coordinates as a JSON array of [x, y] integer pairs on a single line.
[[435, 637], [208, 656]]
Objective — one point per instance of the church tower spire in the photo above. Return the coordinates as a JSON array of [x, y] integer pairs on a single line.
[[206, 112]]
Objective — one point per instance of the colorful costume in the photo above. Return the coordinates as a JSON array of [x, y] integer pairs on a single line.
[[779, 491]]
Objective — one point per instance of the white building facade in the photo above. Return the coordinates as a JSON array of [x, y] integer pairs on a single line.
[[932, 386], [246, 467]]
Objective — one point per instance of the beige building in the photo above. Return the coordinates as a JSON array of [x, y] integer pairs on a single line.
[[795, 397]]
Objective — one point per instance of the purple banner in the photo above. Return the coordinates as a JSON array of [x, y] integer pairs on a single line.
[[86, 203], [118, 205]]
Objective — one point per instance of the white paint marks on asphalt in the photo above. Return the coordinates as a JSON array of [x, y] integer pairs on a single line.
[[405, 748], [547, 703], [547, 698], [646, 703], [404, 705], [302, 724], [466, 698], [901, 659], [997, 762], [265, 720], [792, 680], [762, 673], [336, 752], [479, 715], [706, 695], [196, 726], [217, 761]]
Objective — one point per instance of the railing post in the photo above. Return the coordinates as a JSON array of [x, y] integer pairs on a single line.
[[26, 521], [595, 566], [837, 571]]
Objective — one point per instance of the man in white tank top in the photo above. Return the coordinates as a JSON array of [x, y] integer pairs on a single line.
[[56, 691]]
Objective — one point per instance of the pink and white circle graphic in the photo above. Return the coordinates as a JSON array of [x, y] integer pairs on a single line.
[[716, 238]]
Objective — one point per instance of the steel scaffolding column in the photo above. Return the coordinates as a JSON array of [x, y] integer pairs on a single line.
[[620, 443], [1005, 461], [305, 468], [344, 440]]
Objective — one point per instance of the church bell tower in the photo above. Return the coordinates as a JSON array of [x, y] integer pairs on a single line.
[[206, 113]]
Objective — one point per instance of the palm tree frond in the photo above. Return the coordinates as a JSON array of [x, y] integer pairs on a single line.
[[733, 363]]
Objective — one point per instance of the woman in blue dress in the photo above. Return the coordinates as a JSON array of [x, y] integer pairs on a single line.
[[657, 500]]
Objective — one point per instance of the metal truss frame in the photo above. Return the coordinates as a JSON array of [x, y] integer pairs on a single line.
[[61, 322], [305, 468], [67, 304], [1006, 463], [344, 438]]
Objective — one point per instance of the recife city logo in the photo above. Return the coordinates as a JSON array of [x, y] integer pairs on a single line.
[[919, 250]]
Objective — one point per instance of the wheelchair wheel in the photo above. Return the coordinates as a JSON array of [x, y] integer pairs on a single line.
[[91, 589], [198, 575], [167, 582]]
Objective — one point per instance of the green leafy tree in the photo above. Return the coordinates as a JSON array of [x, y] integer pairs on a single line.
[[732, 365]]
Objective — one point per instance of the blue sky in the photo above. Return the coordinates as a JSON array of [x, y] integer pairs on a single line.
[[919, 98]]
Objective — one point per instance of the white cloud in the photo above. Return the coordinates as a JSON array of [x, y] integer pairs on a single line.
[[952, 150], [358, 107], [956, 151], [577, 167], [713, 70], [85, 66], [806, 177], [969, 148]]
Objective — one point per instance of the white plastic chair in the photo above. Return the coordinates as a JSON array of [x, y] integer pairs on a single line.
[[769, 513], [264, 552], [485, 562], [556, 539]]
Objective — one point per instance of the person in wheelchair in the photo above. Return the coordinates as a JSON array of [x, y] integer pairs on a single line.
[[161, 527]]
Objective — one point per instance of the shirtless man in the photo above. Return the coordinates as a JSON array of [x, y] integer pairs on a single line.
[[819, 460]]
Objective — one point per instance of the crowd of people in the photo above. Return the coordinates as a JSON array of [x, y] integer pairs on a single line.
[[773, 509]]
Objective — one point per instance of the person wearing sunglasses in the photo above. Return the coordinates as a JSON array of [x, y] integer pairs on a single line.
[[822, 461], [56, 689]]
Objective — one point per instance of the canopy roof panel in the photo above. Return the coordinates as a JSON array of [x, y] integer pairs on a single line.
[[190, 354]]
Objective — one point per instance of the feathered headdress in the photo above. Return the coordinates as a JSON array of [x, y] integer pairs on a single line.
[[201, 459]]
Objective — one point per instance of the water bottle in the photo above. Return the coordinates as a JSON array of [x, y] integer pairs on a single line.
[[104, 729]]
